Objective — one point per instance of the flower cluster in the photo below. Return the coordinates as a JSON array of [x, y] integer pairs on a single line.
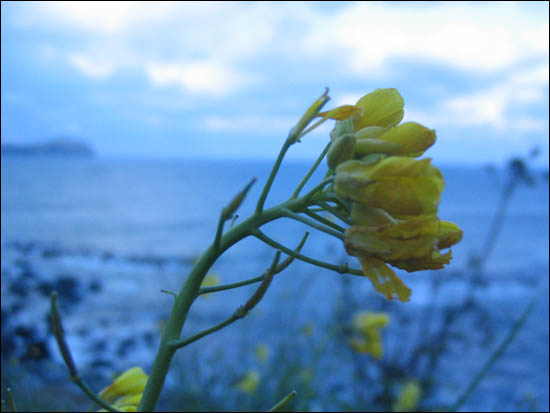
[[393, 196], [126, 391]]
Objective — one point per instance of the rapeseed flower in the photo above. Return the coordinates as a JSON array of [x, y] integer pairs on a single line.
[[394, 197]]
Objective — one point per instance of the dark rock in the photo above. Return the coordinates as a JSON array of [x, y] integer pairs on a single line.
[[99, 363], [107, 255], [36, 351], [95, 286], [67, 288], [51, 253], [99, 346], [15, 308], [20, 289], [83, 331], [45, 288], [26, 333], [27, 274], [125, 346], [148, 338]]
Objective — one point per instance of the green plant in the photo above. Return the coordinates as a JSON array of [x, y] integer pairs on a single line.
[[388, 200]]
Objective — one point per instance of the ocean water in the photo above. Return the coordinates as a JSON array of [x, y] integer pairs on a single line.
[[135, 226]]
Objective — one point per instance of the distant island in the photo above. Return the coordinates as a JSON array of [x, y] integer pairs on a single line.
[[56, 147]]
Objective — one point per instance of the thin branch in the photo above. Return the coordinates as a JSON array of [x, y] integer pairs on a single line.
[[280, 268], [241, 312], [229, 210], [342, 269], [324, 220], [282, 404], [494, 357], [11, 400], [338, 214], [293, 137], [310, 172], [313, 224], [59, 334]]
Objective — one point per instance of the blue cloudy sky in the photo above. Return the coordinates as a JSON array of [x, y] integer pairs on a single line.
[[230, 79]]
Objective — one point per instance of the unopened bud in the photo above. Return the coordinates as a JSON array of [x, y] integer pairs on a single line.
[[236, 202], [341, 150]]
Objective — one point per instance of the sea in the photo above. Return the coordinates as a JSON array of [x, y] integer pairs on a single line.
[[110, 234]]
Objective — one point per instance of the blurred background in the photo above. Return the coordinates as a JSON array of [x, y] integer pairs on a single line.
[[126, 127]]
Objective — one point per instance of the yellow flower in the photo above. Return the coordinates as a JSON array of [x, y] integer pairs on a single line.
[[408, 398], [412, 245], [399, 185], [368, 325], [249, 383], [126, 391], [381, 107], [407, 139], [262, 352]]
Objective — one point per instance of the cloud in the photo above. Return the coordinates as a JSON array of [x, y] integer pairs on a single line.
[[468, 36], [209, 77], [500, 106], [90, 67]]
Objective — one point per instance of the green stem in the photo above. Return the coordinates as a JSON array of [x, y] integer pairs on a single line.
[[494, 357], [274, 170], [57, 329], [310, 172], [324, 220], [190, 291], [282, 404], [241, 312], [313, 224], [338, 214], [342, 269], [11, 400]]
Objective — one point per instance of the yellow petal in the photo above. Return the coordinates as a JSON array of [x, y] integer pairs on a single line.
[[342, 149], [399, 185], [368, 216], [382, 107], [366, 146], [341, 112], [131, 382], [449, 234], [384, 279], [408, 139]]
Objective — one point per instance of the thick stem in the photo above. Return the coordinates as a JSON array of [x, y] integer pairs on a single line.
[[190, 291]]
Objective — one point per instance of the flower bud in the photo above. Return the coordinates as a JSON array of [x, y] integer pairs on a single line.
[[382, 107], [341, 150], [341, 127], [449, 234]]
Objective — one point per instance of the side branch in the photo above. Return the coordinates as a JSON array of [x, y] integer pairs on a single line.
[[342, 269], [241, 312], [280, 268], [59, 334], [313, 224]]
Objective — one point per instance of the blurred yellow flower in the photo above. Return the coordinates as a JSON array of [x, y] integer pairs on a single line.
[[262, 352], [126, 391], [368, 325], [408, 398], [249, 383]]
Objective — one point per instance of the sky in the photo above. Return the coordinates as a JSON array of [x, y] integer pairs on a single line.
[[228, 80]]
